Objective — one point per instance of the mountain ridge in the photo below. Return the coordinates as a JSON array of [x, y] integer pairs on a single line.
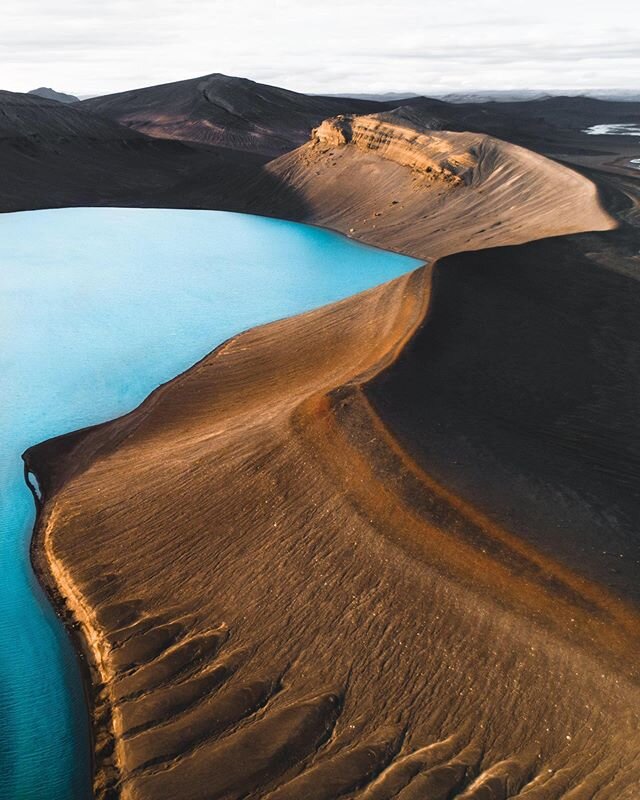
[[227, 111], [52, 94]]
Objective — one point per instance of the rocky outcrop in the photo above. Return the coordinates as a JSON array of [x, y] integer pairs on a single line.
[[393, 183], [425, 154]]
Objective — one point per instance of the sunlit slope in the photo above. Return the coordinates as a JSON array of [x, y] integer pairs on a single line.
[[424, 191]]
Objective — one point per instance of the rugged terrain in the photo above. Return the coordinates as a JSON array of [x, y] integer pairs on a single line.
[[387, 549], [400, 185], [225, 111], [52, 94]]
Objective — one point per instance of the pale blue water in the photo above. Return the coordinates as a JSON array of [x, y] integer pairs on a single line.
[[97, 307], [614, 129]]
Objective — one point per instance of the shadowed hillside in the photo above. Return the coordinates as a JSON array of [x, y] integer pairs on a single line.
[[519, 393], [55, 154]]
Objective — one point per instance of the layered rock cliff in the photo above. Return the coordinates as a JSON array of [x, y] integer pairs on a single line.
[[425, 154], [382, 179]]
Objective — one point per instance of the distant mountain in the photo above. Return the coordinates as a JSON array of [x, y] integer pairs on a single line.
[[622, 95], [50, 122], [384, 97], [226, 111], [57, 154], [51, 94], [503, 95], [499, 96], [524, 95]]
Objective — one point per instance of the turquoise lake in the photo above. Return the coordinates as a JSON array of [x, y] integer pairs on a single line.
[[97, 307]]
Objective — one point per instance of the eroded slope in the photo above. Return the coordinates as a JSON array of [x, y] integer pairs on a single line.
[[423, 191]]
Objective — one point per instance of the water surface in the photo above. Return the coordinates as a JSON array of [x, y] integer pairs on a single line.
[[97, 307], [614, 129]]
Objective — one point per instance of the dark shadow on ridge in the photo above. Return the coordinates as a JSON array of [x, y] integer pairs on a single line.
[[519, 392], [141, 172]]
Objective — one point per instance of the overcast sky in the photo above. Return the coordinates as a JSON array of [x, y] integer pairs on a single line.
[[94, 47]]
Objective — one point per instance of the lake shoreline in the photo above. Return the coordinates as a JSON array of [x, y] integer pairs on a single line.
[[89, 644], [84, 635], [41, 563], [76, 622]]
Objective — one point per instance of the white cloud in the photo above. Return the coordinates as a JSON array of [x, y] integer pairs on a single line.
[[88, 47]]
